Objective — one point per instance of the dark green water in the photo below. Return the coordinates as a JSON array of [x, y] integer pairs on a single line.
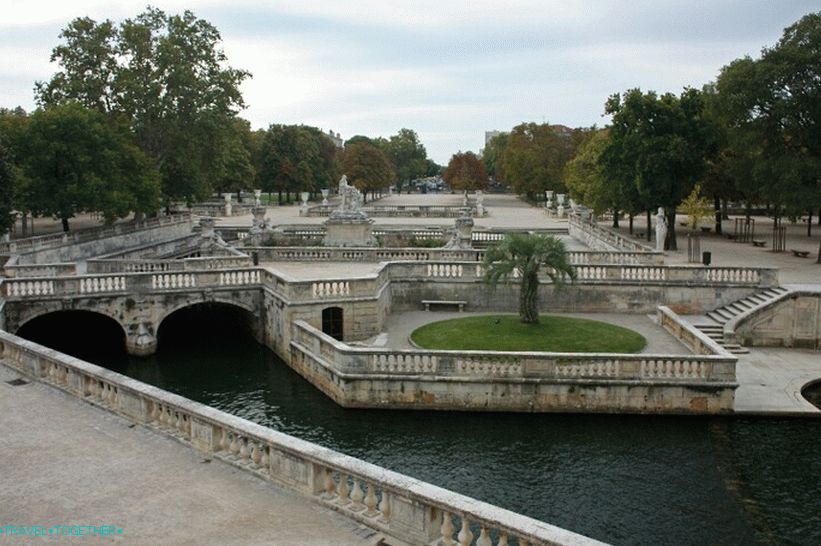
[[620, 479]]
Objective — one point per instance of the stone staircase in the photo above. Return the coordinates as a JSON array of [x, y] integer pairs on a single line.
[[713, 324]]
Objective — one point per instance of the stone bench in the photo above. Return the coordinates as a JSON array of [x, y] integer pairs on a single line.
[[800, 253], [460, 303], [759, 243]]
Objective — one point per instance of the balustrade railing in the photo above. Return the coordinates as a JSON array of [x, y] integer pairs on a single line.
[[351, 362], [79, 236], [601, 238], [399, 506]]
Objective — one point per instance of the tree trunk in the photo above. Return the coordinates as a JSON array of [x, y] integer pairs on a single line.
[[615, 218], [24, 225], [670, 241], [630, 222], [529, 298], [725, 215], [809, 223], [649, 225], [65, 223], [717, 205], [279, 198]]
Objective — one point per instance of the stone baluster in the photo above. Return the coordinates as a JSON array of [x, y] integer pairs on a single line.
[[484, 539], [256, 455], [357, 495], [243, 450], [385, 507], [330, 486], [370, 501], [265, 459], [465, 536], [343, 490], [446, 530], [233, 447], [503, 540]]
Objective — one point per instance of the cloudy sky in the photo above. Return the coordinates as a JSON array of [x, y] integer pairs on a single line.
[[450, 70]]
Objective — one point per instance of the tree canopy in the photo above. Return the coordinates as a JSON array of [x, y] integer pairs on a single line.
[[408, 155], [367, 167], [465, 172], [166, 75], [534, 157], [7, 189], [771, 110], [525, 256], [78, 160], [296, 158], [659, 145]]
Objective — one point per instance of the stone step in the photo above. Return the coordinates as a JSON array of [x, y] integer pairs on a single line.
[[736, 349], [737, 307]]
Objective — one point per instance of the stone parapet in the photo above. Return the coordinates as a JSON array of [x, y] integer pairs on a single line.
[[407, 509], [513, 381]]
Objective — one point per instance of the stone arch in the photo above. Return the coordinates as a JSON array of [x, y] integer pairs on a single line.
[[40, 311], [249, 314], [84, 333]]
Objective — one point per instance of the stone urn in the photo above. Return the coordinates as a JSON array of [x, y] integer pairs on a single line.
[[325, 192], [257, 196]]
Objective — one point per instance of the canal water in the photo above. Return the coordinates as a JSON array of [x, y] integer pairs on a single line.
[[621, 479]]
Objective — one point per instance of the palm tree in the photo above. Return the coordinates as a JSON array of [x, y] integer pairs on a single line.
[[523, 256]]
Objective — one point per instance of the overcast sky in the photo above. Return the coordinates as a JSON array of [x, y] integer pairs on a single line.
[[450, 70]]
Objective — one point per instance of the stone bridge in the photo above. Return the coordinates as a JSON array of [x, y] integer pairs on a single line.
[[138, 302]]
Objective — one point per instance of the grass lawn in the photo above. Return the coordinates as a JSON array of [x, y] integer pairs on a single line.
[[506, 333]]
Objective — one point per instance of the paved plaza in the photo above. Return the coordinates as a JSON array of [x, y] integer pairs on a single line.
[[74, 464]]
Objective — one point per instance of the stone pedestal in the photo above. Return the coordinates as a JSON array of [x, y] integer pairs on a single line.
[[462, 237], [303, 211], [480, 203], [325, 192], [257, 195], [227, 198], [351, 231]]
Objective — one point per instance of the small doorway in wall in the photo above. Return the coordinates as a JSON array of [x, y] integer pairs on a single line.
[[332, 322]]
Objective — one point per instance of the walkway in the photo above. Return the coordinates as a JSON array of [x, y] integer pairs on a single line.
[[65, 462]]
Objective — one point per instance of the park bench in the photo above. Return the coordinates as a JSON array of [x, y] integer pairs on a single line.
[[800, 253], [759, 243], [460, 303]]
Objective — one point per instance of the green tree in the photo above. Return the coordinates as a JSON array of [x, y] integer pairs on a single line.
[[772, 113], [167, 76], [235, 162], [534, 157], [465, 172], [13, 126], [367, 167], [524, 256], [585, 178], [7, 189], [660, 145], [408, 156], [79, 160], [492, 157]]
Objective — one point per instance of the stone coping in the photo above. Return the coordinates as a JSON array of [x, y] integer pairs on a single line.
[[182, 417]]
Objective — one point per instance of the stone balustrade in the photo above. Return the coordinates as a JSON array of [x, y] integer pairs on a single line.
[[41, 242], [600, 238], [696, 340], [156, 266], [716, 367], [398, 211], [399, 506], [432, 271]]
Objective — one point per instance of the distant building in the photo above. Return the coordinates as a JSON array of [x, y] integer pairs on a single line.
[[336, 138], [490, 135]]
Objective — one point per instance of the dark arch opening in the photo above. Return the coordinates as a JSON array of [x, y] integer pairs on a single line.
[[332, 322], [217, 326], [83, 334]]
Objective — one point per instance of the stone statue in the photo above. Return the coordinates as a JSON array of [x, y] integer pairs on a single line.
[[661, 229], [351, 197]]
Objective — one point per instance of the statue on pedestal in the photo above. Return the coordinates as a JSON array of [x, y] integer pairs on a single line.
[[661, 229]]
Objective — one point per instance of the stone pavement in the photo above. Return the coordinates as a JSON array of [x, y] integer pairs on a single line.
[[64, 462], [770, 381]]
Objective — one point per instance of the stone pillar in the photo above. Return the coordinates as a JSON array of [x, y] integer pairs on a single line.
[[227, 197], [560, 207], [257, 196], [141, 340], [325, 192], [303, 211]]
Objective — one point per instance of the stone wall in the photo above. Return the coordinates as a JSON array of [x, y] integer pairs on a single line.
[[794, 321], [513, 381]]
